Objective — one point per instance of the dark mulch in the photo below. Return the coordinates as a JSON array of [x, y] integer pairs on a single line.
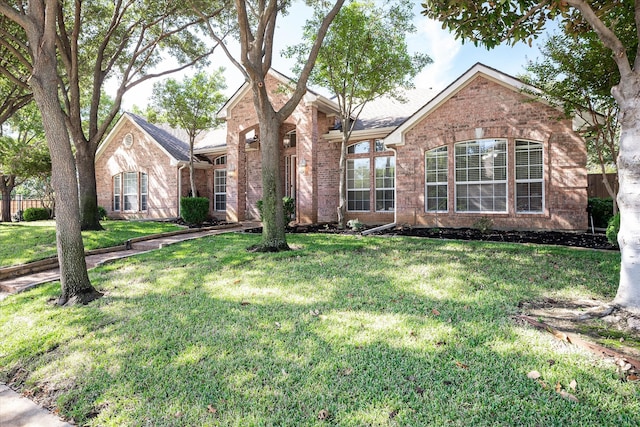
[[574, 239]]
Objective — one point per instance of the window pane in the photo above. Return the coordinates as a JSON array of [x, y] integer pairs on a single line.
[[359, 148], [529, 177], [220, 189], [436, 177], [117, 187], [130, 190], [358, 188]]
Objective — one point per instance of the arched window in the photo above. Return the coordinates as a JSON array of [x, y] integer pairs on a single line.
[[529, 177], [130, 192], [481, 176], [436, 180]]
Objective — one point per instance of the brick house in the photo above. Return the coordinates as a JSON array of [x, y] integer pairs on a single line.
[[482, 147]]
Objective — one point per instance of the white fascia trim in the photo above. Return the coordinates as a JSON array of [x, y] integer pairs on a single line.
[[196, 165], [359, 135], [211, 150], [397, 137], [323, 104]]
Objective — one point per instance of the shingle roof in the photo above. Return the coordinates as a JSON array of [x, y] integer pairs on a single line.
[[177, 148]]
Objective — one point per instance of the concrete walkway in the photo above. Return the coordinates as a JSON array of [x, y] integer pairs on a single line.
[[18, 411]]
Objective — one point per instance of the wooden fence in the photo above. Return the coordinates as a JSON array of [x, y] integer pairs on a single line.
[[22, 204], [596, 186]]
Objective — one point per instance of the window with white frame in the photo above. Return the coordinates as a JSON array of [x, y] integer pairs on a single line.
[[144, 191], [481, 176], [436, 180], [222, 160], [117, 192], [362, 147], [385, 183], [220, 189], [130, 191], [529, 177], [358, 187]]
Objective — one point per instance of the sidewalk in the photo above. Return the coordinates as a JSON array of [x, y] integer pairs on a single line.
[[18, 411], [22, 281]]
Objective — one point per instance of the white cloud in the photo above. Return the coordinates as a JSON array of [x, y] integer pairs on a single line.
[[443, 49]]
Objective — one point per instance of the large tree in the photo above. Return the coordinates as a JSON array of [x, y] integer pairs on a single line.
[[124, 43], [491, 23], [364, 56], [191, 105], [38, 18], [576, 73], [23, 155], [256, 25]]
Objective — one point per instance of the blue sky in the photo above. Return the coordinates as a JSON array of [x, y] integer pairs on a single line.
[[450, 57]]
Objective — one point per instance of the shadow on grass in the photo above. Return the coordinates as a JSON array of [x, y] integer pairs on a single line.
[[344, 331]]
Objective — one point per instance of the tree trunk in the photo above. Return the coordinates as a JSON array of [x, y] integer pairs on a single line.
[[273, 221], [74, 280], [192, 179], [7, 183], [85, 163], [342, 202], [628, 96]]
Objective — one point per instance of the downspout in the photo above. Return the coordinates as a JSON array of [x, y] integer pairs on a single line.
[[180, 189], [395, 199]]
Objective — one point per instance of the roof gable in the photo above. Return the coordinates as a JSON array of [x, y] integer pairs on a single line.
[[176, 149], [310, 97], [478, 70]]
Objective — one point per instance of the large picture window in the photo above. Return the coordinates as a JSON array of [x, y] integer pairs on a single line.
[[436, 176], [220, 189], [385, 183], [130, 192], [358, 188], [529, 177], [481, 176]]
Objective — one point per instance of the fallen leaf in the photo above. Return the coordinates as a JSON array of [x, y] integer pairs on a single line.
[[314, 312], [244, 303], [278, 326], [573, 384], [413, 334], [393, 414], [633, 377], [419, 390], [435, 312], [211, 409], [568, 396], [177, 414], [543, 384], [461, 365], [558, 387], [551, 362], [534, 375], [323, 415], [235, 282]]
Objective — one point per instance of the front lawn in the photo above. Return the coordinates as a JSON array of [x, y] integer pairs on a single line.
[[23, 242], [342, 330]]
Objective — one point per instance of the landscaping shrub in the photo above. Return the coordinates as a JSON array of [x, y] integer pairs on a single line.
[[194, 210], [601, 211], [289, 206], [36, 214], [102, 213], [613, 228]]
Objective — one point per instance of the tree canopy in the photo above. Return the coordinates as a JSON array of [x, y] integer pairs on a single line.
[[191, 105]]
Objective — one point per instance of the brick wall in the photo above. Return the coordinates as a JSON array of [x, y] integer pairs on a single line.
[[486, 109]]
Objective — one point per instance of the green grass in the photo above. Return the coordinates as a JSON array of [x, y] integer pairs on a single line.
[[30, 241], [374, 331]]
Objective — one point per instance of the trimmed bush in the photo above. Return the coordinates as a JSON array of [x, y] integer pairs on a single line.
[[194, 210], [613, 228], [36, 214], [288, 204], [601, 210], [102, 213]]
